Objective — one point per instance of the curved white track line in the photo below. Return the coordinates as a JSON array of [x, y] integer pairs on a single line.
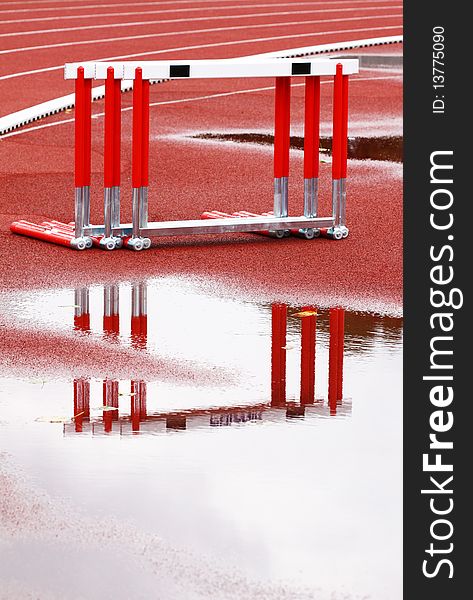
[[197, 47], [200, 31], [87, 7], [191, 19], [17, 119], [154, 12]]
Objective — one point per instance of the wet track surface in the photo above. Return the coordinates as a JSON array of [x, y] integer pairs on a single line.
[[160, 436], [226, 465]]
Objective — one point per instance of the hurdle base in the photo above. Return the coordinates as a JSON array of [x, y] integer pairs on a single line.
[[307, 233], [81, 243], [137, 243], [337, 233], [110, 243]]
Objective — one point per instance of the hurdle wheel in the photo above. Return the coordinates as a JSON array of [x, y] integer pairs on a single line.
[[310, 234], [345, 232], [81, 244], [280, 234], [88, 242], [138, 245], [337, 234], [146, 243]]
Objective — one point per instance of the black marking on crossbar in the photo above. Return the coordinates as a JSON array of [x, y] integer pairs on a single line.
[[301, 68], [179, 71]]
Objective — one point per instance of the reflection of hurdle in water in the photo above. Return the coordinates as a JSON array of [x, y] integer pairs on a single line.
[[111, 329], [308, 352], [278, 409]]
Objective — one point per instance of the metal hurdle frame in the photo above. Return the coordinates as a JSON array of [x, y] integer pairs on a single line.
[[114, 234]]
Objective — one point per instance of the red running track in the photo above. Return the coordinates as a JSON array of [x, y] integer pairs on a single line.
[[364, 271]]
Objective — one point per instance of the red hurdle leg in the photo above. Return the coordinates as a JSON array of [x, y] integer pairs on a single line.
[[278, 354], [111, 158], [308, 333], [83, 116], [140, 152], [117, 154], [333, 358], [311, 145], [335, 231], [281, 145], [344, 158]]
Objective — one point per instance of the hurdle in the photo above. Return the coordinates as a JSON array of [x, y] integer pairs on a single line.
[[136, 235]]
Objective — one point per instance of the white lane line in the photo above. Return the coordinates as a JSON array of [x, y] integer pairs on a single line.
[[200, 46], [187, 10], [187, 20], [193, 99], [22, 117], [193, 32], [87, 7]]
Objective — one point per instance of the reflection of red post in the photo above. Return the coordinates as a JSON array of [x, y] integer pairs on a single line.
[[335, 368], [139, 333], [138, 404], [333, 362], [308, 329], [341, 344], [139, 316], [110, 398], [111, 317], [81, 309], [81, 402], [278, 354]]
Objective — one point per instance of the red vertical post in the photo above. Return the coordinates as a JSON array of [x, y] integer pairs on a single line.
[[344, 129], [82, 153], [87, 131], [79, 128], [137, 143], [109, 136], [117, 100], [278, 354], [145, 134], [333, 357], [282, 127], [337, 122], [308, 333], [341, 349], [312, 127]]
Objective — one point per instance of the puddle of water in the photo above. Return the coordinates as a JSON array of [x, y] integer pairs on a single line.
[[283, 461], [388, 148]]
